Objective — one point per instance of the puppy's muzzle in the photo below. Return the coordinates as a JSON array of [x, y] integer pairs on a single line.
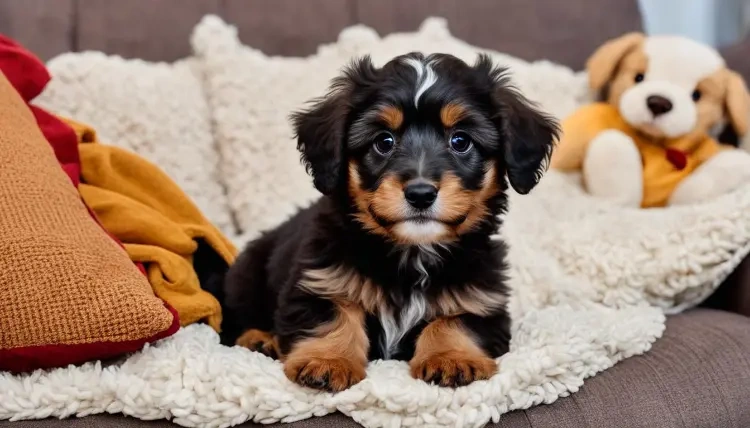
[[420, 195]]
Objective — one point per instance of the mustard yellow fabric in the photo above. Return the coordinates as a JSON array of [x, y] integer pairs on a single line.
[[156, 222], [660, 176]]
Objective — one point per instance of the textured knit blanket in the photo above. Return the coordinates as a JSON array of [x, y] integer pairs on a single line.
[[591, 285]]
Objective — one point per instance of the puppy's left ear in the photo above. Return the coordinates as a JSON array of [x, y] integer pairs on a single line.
[[527, 134], [321, 130], [737, 102], [530, 137]]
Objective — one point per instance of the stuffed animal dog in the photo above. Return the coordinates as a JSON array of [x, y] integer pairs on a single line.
[[649, 144]]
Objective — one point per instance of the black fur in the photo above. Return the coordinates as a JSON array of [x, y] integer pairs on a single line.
[[261, 290]]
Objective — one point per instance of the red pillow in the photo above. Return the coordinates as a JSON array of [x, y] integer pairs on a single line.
[[68, 291]]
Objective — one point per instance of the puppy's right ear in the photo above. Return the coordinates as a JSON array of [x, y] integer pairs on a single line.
[[602, 64], [321, 130]]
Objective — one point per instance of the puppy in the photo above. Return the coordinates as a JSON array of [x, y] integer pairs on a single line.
[[395, 261]]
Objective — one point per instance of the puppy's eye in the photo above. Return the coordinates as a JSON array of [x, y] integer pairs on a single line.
[[461, 142], [639, 77], [696, 95], [384, 143]]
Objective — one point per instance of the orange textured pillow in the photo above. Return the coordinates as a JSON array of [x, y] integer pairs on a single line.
[[68, 293]]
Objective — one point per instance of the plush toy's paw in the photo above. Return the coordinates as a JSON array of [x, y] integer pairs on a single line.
[[724, 172], [612, 169], [331, 374], [453, 368]]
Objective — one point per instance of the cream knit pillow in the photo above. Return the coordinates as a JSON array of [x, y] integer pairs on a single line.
[[251, 96], [157, 110]]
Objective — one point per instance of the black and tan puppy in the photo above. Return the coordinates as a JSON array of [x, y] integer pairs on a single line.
[[395, 260]]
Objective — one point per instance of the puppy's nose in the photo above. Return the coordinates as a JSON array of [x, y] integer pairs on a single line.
[[658, 104], [420, 195]]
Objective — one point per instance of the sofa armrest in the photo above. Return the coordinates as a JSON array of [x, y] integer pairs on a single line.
[[733, 294]]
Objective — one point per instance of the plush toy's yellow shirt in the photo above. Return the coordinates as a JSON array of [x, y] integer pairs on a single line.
[[660, 176]]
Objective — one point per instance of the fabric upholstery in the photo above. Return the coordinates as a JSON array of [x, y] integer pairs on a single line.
[[69, 293], [697, 375], [532, 29]]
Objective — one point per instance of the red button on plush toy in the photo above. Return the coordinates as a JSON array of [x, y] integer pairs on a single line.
[[677, 158]]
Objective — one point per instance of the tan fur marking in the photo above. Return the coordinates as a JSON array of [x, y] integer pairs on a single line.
[[457, 201], [260, 341], [387, 201], [336, 357], [446, 354], [344, 284], [362, 200], [451, 114], [347, 285], [392, 116], [470, 299], [479, 209]]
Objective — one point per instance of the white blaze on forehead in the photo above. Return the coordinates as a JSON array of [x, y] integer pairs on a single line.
[[426, 77], [680, 60]]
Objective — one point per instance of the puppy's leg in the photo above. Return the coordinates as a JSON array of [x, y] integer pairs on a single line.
[[612, 169], [722, 173], [248, 299], [449, 353], [259, 341], [335, 356]]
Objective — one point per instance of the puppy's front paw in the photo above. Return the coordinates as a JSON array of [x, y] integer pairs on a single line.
[[453, 368], [327, 374], [259, 341]]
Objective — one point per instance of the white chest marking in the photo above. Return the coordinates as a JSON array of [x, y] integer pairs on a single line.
[[426, 77], [394, 331]]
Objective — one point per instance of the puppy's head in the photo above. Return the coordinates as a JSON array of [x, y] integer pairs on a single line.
[[420, 148], [669, 86]]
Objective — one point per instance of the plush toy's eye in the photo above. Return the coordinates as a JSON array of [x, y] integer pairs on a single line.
[[384, 143], [461, 142], [696, 95], [639, 77]]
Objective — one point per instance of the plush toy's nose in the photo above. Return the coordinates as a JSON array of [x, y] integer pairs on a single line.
[[658, 104]]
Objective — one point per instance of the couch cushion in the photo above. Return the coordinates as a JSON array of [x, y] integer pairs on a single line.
[[698, 374]]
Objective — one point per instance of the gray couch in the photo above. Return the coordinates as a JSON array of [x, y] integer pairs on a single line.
[[697, 375]]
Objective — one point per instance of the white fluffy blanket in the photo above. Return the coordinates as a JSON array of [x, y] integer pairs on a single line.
[[590, 285], [588, 281]]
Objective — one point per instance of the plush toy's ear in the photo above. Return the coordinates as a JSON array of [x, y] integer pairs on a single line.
[[528, 134], [737, 103], [602, 64], [321, 130]]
